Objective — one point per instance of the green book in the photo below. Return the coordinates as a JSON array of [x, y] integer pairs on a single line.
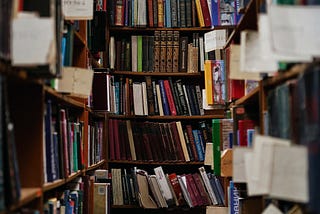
[[139, 58], [216, 140]]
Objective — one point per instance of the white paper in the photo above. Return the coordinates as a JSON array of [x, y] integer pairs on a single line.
[[295, 32], [33, 41], [235, 72], [272, 209], [76, 81], [215, 39], [238, 160], [77, 9], [290, 173], [254, 54], [261, 166]]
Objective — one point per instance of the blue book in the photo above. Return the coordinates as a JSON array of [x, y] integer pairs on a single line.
[[215, 11], [165, 104], [200, 152]]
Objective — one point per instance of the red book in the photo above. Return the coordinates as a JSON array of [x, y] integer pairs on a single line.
[[202, 189], [119, 13], [176, 188], [150, 13], [64, 141], [193, 191], [116, 139], [206, 13], [243, 126], [192, 142], [170, 98], [176, 140]]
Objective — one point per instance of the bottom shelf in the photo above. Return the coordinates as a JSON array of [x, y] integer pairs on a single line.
[[175, 210]]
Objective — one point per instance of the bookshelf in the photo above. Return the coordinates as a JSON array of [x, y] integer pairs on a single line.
[[123, 72], [276, 119], [38, 169]]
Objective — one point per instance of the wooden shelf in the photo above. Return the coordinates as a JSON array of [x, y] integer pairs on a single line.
[[95, 166], [182, 74], [247, 21], [252, 97], [143, 29], [27, 195], [131, 162], [65, 98], [219, 114], [285, 75], [53, 185]]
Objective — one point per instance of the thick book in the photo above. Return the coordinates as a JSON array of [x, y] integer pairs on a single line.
[[169, 51], [170, 97], [173, 178], [201, 188], [192, 142], [150, 96], [101, 198], [157, 53], [216, 139], [164, 185], [176, 140], [175, 51], [163, 51], [119, 13], [183, 54], [182, 141], [164, 98], [208, 186]]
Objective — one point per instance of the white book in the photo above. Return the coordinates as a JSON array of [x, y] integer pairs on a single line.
[[183, 182], [208, 186], [137, 98], [164, 185], [134, 53], [144, 98]]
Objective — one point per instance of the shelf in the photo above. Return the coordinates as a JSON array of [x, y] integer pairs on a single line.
[[219, 114], [144, 29], [247, 21], [131, 162], [65, 98], [78, 39], [27, 195], [285, 75], [95, 166], [129, 73], [73, 176], [252, 97], [52, 185]]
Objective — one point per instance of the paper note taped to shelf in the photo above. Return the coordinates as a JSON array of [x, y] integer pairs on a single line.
[[33, 41], [77, 81], [215, 39], [295, 32], [77, 9]]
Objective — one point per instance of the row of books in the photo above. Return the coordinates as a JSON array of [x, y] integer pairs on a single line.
[[173, 13], [162, 190], [165, 51], [86, 194], [147, 96], [64, 143], [158, 141]]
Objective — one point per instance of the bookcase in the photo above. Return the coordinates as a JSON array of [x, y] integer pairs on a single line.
[[51, 142], [155, 98], [278, 108]]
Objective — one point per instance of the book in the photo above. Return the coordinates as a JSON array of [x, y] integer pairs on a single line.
[[163, 51], [157, 53], [182, 141], [144, 194], [170, 98], [208, 186], [156, 191], [175, 51], [101, 198], [173, 178], [205, 200], [169, 50], [216, 140], [164, 185]]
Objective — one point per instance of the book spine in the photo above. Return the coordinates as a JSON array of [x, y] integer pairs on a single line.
[[169, 94], [164, 100], [163, 51], [157, 51]]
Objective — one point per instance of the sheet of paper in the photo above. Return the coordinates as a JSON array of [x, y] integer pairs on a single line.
[[239, 173], [272, 209], [262, 162], [235, 72], [290, 173], [215, 39], [295, 32], [33, 41], [77, 9], [253, 57], [76, 81]]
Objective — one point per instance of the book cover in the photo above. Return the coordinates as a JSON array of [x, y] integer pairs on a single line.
[[169, 50], [173, 178]]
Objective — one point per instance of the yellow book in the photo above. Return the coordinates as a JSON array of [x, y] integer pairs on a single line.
[[200, 14], [208, 81]]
